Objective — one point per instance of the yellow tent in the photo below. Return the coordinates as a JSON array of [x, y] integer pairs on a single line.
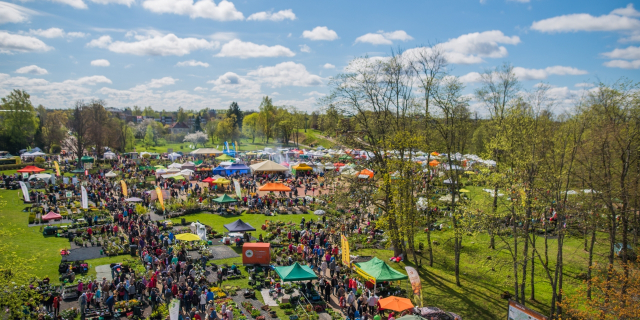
[[302, 167], [221, 181], [187, 237]]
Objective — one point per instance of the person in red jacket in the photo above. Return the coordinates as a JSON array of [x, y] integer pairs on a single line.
[[56, 306]]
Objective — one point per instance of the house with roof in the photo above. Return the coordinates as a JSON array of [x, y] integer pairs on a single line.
[[179, 127]]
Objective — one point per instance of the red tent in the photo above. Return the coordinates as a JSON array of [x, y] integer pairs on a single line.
[[51, 216], [209, 180], [30, 169]]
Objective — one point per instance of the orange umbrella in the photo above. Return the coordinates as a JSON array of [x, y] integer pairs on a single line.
[[366, 172], [435, 154], [434, 163], [274, 187], [395, 303]]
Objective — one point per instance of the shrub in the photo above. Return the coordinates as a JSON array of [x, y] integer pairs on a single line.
[[39, 160], [32, 217]]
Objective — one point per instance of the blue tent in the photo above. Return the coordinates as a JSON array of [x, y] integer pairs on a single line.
[[219, 171], [237, 168]]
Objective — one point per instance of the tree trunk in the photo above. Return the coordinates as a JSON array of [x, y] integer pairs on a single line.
[[533, 268], [429, 246], [593, 241]]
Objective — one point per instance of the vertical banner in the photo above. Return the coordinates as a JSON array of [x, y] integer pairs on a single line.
[[57, 168], [416, 286], [25, 192], [236, 145], [124, 188], [345, 250], [174, 309], [160, 198], [85, 199], [236, 183]]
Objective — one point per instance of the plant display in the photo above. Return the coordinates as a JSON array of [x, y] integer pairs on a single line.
[[218, 293]]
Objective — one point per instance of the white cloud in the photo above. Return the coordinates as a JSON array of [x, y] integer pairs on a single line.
[[155, 83], [192, 63], [77, 34], [53, 33], [12, 43], [13, 13], [154, 45], [32, 69], [623, 64], [629, 53], [100, 63], [234, 86], [78, 4], [320, 33], [329, 66], [628, 11], [278, 16], [237, 48], [617, 20], [584, 85], [127, 3], [308, 104], [540, 74], [472, 47], [227, 78], [223, 36], [223, 11], [286, 74], [384, 37], [314, 93], [200, 89], [471, 77], [90, 81], [305, 48]]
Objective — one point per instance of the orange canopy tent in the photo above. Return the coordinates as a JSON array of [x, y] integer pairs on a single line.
[[31, 169], [274, 187], [302, 167], [435, 154], [338, 164], [366, 172], [434, 163], [395, 303]]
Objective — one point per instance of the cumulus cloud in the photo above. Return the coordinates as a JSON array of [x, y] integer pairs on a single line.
[[623, 64], [308, 104], [618, 20], [540, 74], [90, 81], [200, 89], [100, 63], [305, 48], [192, 63], [32, 69], [314, 94], [154, 45], [471, 48], [239, 49], [382, 37], [234, 86], [78, 4], [286, 74], [223, 11], [12, 43], [278, 16], [329, 66], [155, 83], [584, 85], [223, 36], [13, 13], [320, 33], [471, 77], [127, 3]]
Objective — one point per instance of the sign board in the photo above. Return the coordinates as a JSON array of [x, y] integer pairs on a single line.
[[520, 312], [25, 175], [69, 194], [88, 165]]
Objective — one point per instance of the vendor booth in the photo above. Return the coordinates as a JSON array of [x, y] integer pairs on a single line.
[[237, 168], [256, 254], [239, 226], [295, 272], [376, 270], [268, 166]]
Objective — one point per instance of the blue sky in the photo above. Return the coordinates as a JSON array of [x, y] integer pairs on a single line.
[[196, 54]]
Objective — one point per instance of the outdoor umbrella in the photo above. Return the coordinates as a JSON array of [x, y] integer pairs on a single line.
[[395, 303], [434, 163], [224, 199], [187, 237], [274, 187], [133, 199], [178, 177], [239, 226]]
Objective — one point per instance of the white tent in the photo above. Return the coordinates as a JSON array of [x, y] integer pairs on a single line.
[[110, 174], [175, 165], [226, 163], [187, 172], [109, 155], [48, 178], [174, 156]]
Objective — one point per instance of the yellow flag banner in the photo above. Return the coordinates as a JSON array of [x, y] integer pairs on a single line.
[[236, 148], [363, 274], [124, 188], [345, 250], [57, 168], [416, 285], [159, 192]]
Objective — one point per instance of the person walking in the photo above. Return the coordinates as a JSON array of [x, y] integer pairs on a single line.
[[110, 302]]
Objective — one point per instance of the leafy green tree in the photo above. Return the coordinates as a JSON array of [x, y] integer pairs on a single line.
[[19, 121], [197, 126], [148, 137], [181, 116], [266, 117], [234, 109], [250, 126], [227, 129]]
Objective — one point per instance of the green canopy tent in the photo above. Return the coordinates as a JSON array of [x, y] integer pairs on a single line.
[[224, 199], [198, 162], [178, 177], [224, 157], [158, 167], [380, 271], [86, 159], [295, 272]]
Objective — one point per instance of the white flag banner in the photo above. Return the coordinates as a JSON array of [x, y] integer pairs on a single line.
[[236, 183], [85, 200], [174, 309], [25, 192]]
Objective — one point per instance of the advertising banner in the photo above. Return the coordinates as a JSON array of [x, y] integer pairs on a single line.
[[174, 309], [520, 312], [124, 188], [363, 274], [85, 199], [236, 183], [345, 250], [25, 192], [416, 286], [160, 198], [57, 168]]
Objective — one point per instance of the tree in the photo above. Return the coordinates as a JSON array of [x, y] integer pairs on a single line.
[[250, 126], [227, 129], [148, 137], [197, 126], [211, 127], [196, 138], [99, 129], [266, 117], [136, 111], [79, 124], [234, 109], [19, 122], [182, 116], [53, 130], [149, 112]]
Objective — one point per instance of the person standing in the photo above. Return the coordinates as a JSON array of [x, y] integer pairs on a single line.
[[56, 306], [203, 301], [83, 303], [110, 302]]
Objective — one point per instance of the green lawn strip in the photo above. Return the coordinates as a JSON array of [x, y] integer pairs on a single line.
[[217, 222]]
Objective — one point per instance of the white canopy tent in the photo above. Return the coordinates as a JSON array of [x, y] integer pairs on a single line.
[[174, 156]]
